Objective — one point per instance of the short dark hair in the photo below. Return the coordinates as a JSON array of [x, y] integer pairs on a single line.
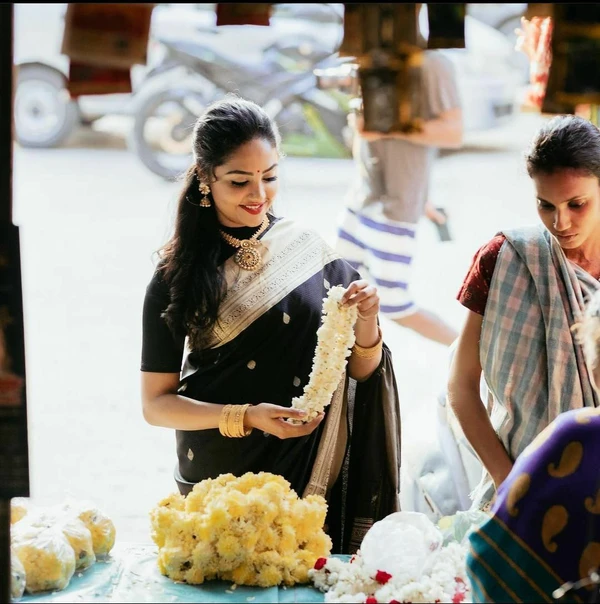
[[565, 141]]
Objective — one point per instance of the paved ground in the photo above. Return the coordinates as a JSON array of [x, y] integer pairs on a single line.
[[90, 220]]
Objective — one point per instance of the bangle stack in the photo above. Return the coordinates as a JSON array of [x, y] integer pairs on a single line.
[[231, 422], [369, 353]]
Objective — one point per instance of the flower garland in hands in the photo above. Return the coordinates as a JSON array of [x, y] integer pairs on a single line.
[[335, 339]]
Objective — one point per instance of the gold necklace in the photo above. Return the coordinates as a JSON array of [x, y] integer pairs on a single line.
[[247, 256]]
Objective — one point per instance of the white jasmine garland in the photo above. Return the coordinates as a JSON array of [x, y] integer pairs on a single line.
[[443, 580], [335, 339]]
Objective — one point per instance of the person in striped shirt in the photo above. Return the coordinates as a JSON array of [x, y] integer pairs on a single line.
[[378, 228]]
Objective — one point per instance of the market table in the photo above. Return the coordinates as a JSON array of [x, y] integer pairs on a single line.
[[130, 574]]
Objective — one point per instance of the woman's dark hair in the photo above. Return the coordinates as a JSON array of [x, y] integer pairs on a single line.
[[565, 141], [189, 261]]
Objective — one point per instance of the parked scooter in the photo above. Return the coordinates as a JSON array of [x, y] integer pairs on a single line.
[[191, 75]]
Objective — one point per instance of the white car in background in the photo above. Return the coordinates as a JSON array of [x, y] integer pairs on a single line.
[[45, 116]]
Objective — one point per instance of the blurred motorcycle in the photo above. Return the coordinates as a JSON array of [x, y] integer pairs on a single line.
[[191, 75]]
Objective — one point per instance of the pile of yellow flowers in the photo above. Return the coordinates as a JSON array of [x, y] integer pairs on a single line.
[[251, 530]]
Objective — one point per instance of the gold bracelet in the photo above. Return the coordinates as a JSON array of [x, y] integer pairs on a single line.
[[238, 422], [224, 420], [237, 433], [232, 432], [231, 421], [373, 351], [242, 430]]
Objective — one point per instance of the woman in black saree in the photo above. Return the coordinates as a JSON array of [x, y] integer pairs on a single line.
[[231, 317]]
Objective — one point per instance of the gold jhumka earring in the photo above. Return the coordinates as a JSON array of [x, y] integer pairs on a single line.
[[205, 190]]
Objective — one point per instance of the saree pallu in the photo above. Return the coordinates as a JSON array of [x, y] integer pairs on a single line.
[[533, 365], [261, 351], [545, 524]]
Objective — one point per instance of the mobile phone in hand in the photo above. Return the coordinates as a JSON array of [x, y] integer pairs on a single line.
[[442, 229]]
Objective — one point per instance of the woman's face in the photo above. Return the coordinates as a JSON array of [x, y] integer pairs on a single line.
[[568, 203], [245, 186]]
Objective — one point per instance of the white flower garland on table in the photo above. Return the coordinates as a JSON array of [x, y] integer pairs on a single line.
[[335, 339], [444, 580]]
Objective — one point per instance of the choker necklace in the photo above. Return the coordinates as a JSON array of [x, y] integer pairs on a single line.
[[247, 256]]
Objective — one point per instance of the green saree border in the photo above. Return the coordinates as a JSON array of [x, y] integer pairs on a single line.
[[501, 565]]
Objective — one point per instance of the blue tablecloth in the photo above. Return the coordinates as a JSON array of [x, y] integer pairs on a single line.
[[130, 574]]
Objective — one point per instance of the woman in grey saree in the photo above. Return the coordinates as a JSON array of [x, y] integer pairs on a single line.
[[526, 290], [260, 351]]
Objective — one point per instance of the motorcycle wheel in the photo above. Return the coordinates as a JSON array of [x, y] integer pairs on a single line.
[[162, 131], [45, 116]]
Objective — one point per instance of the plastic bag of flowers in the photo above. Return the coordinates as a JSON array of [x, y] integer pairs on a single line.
[[46, 556], [17, 576], [401, 559], [458, 526], [251, 530], [97, 522], [77, 534], [19, 508]]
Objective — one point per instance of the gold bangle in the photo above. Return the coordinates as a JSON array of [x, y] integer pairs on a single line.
[[231, 421], [371, 352], [244, 431], [224, 420], [238, 422]]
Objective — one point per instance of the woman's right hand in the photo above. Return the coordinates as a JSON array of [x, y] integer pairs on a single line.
[[271, 420], [357, 123]]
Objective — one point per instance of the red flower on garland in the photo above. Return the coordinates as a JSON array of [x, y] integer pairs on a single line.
[[320, 563], [382, 577], [371, 600], [459, 594]]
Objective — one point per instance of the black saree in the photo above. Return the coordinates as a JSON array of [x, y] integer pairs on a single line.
[[368, 488], [262, 351]]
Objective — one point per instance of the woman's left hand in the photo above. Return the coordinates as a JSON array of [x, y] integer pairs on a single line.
[[364, 296]]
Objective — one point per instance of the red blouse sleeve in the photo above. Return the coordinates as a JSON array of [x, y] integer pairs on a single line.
[[474, 291]]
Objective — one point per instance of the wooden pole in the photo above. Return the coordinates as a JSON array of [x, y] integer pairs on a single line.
[[6, 111], [14, 459], [6, 95]]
